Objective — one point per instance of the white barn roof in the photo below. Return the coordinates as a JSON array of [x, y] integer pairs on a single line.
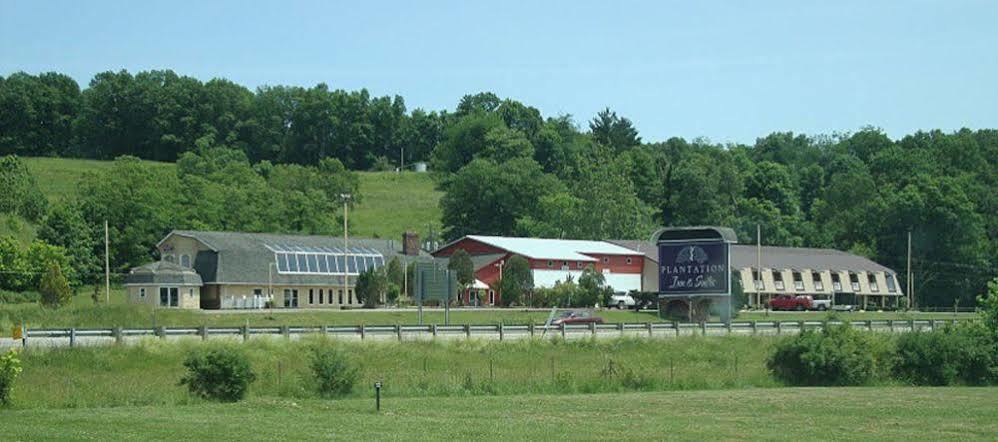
[[555, 249]]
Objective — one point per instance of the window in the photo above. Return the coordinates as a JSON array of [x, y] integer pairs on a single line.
[[550, 263], [185, 260], [330, 291], [350, 296], [290, 298], [311, 296], [759, 285], [798, 282], [854, 281], [578, 264], [313, 263], [169, 258], [142, 292], [341, 297], [292, 263], [320, 296], [818, 284], [190, 293], [164, 296], [606, 260], [778, 280], [628, 259], [891, 286], [836, 283], [872, 279], [492, 297]]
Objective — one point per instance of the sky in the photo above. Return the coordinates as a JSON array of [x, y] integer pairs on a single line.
[[727, 71]]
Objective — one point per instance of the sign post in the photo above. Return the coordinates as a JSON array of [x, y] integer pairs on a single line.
[[695, 271]]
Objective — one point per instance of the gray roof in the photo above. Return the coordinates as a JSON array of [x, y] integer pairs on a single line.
[[162, 272], [238, 257], [745, 256], [479, 261]]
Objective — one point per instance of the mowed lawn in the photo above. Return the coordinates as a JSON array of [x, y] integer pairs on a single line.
[[784, 414]]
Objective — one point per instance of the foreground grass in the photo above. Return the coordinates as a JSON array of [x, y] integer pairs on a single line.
[[147, 373], [785, 414]]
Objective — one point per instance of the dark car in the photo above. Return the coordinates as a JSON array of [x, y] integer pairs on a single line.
[[577, 317]]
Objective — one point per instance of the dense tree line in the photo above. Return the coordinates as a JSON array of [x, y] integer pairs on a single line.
[[507, 171], [159, 115]]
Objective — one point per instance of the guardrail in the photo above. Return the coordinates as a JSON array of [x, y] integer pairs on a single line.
[[75, 336]]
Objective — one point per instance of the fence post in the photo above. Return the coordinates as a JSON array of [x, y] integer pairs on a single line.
[[323, 330], [911, 325], [675, 326], [72, 337], [363, 332], [433, 329], [501, 332], [562, 330], [398, 331], [703, 328], [932, 324], [117, 335], [648, 326], [467, 331], [869, 325], [286, 331], [245, 333], [754, 330], [729, 327], [779, 327], [620, 326], [800, 327], [890, 325], [203, 332], [592, 328], [531, 328]]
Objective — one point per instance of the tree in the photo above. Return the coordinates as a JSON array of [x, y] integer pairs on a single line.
[[20, 194], [593, 288], [517, 281], [395, 281], [371, 286], [614, 132], [464, 141], [54, 288], [460, 263], [37, 114], [487, 198], [65, 227]]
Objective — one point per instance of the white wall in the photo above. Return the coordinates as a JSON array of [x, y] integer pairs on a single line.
[[621, 282]]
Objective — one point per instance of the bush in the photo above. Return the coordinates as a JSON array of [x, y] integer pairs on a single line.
[[964, 354], [837, 355], [10, 367], [8, 297], [54, 287], [333, 373], [221, 373]]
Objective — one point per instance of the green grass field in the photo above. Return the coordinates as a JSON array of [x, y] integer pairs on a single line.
[[391, 203], [773, 414]]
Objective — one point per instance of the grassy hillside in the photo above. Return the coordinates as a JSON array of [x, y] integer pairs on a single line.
[[776, 414], [392, 203]]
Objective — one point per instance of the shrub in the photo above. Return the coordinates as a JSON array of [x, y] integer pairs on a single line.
[[10, 367], [221, 373], [54, 287], [964, 354], [333, 373], [837, 355]]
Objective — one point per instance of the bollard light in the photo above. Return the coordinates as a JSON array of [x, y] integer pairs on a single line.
[[377, 395]]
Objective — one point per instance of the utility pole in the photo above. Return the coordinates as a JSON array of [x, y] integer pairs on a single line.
[[911, 293], [346, 245], [758, 263], [107, 265], [402, 160]]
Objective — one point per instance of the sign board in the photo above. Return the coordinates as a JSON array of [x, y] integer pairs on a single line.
[[693, 267], [433, 281], [16, 332]]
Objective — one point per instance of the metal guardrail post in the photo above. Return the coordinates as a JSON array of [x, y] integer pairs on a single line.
[[245, 331], [620, 327], [363, 332], [675, 326], [869, 325], [932, 324], [648, 326], [117, 335], [160, 331], [729, 327], [592, 328], [286, 331], [203, 331], [754, 329], [911, 325], [467, 331], [563, 330], [501, 331], [433, 329], [890, 325], [800, 327], [779, 327], [72, 337], [531, 328], [323, 330], [398, 331], [703, 328]]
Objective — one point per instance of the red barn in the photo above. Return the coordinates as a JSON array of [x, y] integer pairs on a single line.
[[551, 261]]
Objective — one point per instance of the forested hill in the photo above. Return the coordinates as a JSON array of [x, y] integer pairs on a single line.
[[504, 169]]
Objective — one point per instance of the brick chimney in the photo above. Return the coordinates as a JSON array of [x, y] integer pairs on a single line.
[[410, 243]]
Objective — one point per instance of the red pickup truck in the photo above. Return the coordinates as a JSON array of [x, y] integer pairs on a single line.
[[789, 302]]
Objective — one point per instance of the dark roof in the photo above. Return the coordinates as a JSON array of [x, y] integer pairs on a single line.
[[479, 261], [726, 234], [162, 272], [238, 257], [745, 256]]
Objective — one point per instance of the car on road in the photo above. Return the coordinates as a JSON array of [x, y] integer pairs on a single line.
[[577, 317], [790, 302], [821, 304]]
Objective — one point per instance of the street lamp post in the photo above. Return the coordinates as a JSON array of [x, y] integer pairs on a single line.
[[346, 238]]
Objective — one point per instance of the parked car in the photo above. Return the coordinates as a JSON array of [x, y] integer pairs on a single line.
[[577, 317], [790, 302], [621, 300], [821, 304]]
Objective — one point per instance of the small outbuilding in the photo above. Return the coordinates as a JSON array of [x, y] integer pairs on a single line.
[[164, 284]]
